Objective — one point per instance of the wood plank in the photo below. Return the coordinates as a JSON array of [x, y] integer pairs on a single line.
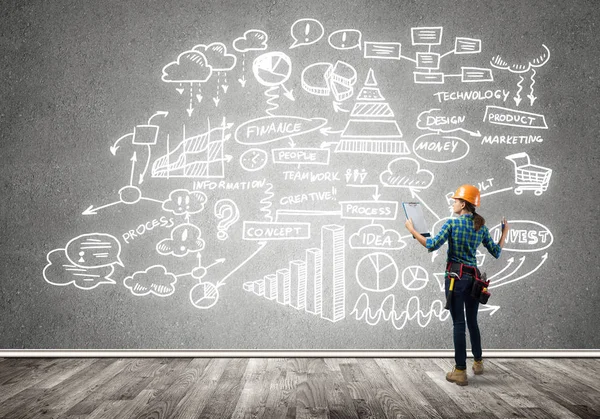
[[569, 393], [227, 392], [108, 391], [165, 402], [195, 400], [362, 393]]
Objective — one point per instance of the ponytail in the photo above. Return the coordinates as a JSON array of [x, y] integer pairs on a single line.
[[478, 220]]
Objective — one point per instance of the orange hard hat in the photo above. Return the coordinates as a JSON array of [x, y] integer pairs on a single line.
[[468, 193]]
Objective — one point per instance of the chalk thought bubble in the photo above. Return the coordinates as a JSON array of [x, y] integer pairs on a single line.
[[60, 271], [185, 238], [252, 40], [154, 280], [190, 67], [306, 32], [182, 201], [94, 250]]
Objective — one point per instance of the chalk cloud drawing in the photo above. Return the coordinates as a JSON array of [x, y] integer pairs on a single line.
[[252, 40], [185, 202], [190, 67], [216, 56], [405, 172], [306, 32], [185, 239], [519, 68], [375, 236], [155, 280]]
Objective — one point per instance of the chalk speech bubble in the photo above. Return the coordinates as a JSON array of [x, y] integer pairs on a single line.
[[94, 250], [345, 39], [268, 129], [306, 32], [59, 271]]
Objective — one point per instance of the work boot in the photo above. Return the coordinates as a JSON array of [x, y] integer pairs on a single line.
[[478, 367], [457, 376]]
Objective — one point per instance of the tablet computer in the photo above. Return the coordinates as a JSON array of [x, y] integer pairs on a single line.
[[414, 210]]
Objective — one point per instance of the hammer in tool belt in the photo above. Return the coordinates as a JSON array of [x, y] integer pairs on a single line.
[[453, 276]]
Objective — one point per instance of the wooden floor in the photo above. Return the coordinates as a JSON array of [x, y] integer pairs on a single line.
[[295, 388]]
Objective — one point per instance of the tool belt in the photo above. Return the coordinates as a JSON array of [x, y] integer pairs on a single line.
[[479, 290]]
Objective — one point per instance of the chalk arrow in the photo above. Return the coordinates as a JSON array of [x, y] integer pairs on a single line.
[[199, 97], [471, 133], [216, 100], [488, 307], [159, 113], [326, 144], [225, 87], [180, 90], [327, 130], [510, 262], [228, 158], [89, 211], [544, 257], [221, 260], [517, 100], [133, 160], [115, 147], [532, 99], [93, 211], [260, 247], [522, 259], [288, 93], [338, 107], [292, 143], [190, 110], [242, 81]]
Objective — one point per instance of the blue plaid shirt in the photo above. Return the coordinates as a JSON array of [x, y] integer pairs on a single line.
[[463, 240]]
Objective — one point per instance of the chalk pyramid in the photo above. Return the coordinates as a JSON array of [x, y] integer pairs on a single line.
[[372, 128]]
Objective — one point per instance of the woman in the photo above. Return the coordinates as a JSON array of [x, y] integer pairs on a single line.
[[463, 234]]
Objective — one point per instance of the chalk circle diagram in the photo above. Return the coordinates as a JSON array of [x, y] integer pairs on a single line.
[[272, 69], [204, 295], [414, 278], [377, 272], [254, 159]]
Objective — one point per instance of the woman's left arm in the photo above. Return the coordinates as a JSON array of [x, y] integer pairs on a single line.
[[411, 228]]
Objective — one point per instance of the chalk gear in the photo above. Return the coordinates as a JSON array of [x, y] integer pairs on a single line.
[[468, 193]]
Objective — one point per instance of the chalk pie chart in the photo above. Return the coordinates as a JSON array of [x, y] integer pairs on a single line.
[[272, 69], [377, 272], [414, 278]]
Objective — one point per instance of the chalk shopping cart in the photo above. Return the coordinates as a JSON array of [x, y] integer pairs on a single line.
[[529, 176]]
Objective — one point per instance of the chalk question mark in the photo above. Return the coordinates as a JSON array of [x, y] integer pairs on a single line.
[[227, 211]]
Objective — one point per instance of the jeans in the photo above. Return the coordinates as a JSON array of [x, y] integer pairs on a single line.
[[463, 302]]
